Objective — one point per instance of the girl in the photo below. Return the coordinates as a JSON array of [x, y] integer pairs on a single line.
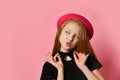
[[73, 57]]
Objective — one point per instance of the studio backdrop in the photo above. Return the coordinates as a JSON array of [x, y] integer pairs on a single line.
[[28, 28]]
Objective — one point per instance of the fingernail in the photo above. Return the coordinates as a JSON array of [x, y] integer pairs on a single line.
[[74, 52]]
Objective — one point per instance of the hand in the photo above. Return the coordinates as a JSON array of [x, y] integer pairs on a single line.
[[80, 59], [53, 60]]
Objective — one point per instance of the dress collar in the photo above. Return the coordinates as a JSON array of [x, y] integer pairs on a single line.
[[64, 54]]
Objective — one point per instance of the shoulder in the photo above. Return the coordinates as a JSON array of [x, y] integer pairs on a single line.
[[93, 63], [49, 72], [48, 66]]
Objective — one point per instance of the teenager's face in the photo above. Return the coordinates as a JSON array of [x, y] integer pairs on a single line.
[[69, 36]]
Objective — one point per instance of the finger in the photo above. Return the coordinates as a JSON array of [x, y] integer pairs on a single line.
[[51, 62], [55, 57], [50, 55], [75, 55], [87, 55], [78, 55], [81, 55], [50, 58], [59, 59]]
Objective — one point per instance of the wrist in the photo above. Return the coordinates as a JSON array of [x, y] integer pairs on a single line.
[[60, 70], [82, 67]]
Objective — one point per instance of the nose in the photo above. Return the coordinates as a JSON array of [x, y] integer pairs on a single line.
[[71, 37]]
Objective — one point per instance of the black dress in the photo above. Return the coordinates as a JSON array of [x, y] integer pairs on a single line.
[[71, 71]]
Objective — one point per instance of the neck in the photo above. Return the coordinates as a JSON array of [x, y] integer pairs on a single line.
[[65, 51]]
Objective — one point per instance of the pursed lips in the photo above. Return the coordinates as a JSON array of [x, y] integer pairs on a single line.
[[68, 44]]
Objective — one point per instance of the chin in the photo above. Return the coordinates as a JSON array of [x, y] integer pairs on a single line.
[[69, 49]]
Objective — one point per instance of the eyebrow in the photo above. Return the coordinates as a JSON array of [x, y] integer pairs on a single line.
[[71, 30], [68, 29]]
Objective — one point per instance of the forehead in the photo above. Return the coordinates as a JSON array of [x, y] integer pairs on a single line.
[[73, 27]]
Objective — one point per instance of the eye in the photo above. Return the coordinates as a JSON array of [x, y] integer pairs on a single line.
[[67, 32], [76, 36]]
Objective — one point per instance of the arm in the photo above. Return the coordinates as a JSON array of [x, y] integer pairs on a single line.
[[58, 64], [60, 74], [80, 59], [91, 75]]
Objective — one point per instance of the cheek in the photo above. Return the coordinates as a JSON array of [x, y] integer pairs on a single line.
[[62, 39], [75, 42]]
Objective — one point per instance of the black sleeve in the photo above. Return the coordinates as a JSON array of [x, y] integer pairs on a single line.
[[49, 72], [92, 63]]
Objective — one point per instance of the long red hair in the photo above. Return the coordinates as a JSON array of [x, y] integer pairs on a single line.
[[83, 43]]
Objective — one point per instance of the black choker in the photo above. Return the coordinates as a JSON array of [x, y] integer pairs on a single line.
[[63, 55]]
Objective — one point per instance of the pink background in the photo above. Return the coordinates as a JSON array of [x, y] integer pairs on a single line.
[[28, 27]]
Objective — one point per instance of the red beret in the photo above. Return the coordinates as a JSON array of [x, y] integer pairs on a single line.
[[82, 19]]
